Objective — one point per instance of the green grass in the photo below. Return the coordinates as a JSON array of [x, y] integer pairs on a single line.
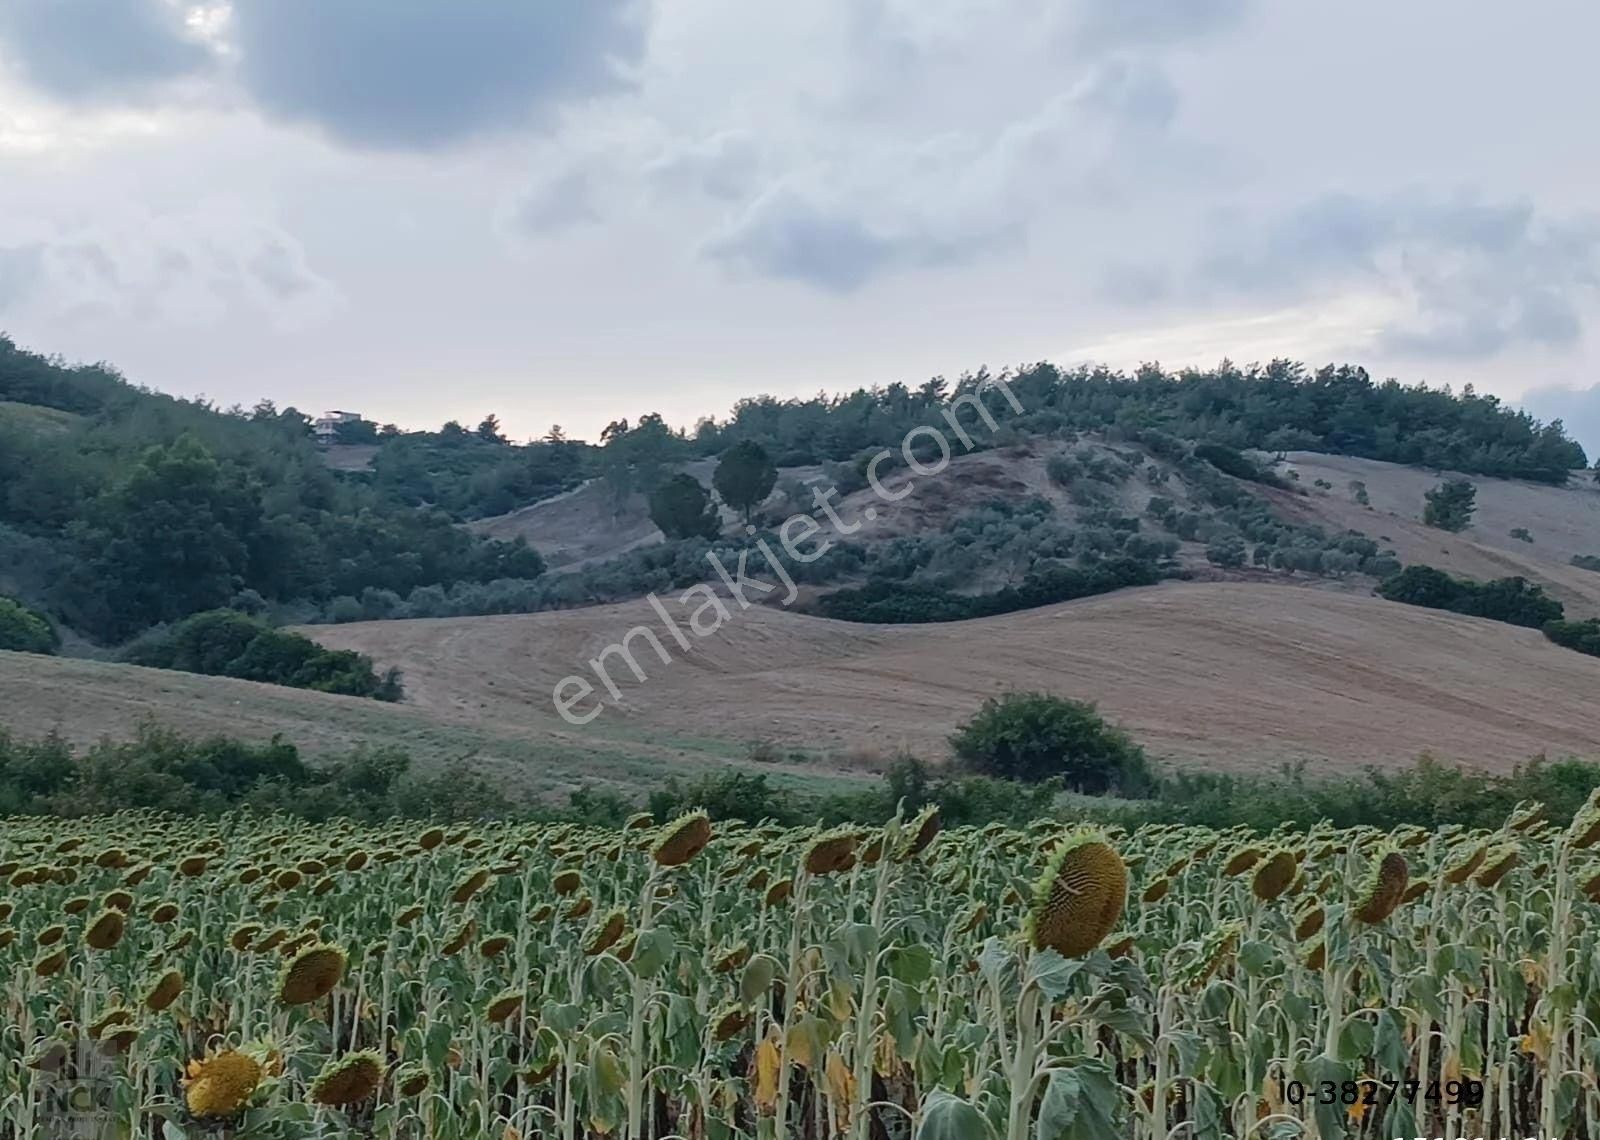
[[35, 417]]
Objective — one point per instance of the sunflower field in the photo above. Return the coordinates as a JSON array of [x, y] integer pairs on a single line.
[[252, 976]]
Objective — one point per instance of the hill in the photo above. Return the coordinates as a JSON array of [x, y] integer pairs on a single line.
[[1224, 675], [1562, 521]]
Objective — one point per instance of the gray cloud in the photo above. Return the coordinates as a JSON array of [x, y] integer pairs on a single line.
[[1480, 277], [1578, 408], [722, 165], [429, 73], [20, 269], [81, 50], [1103, 24], [1135, 90], [786, 235], [566, 200]]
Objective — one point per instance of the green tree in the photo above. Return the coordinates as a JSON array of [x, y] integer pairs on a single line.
[[24, 631], [489, 429], [1035, 736], [1451, 505], [682, 509], [745, 476]]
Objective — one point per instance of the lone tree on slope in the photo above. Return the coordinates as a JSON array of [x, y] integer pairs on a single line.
[[745, 476]]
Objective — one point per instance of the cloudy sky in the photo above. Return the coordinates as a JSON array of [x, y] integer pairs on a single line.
[[566, 211]]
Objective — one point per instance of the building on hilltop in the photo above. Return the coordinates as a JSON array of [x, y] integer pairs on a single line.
[[326, 425]]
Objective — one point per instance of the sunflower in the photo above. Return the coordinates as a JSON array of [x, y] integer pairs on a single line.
[[458, 941], [566, 882], [193, 865], [729, 1023], [431, 838], [106, 931], [311, 974], [411, 1080], [779, 892], [408, 916], [1079, 898], [610, 930], [1383, 889], [470, 886], [222, 1085], [50, 965], [116, 1015], [924, 830], [681, 840], [164, 992], [1315, 956], [351, 1079], [1273, 875], [494, 945], [1309, 922], [503, 1007], [1498, 865], [71, 906], [1242, 860], [164, 913], [1156, 891], [832, 852]]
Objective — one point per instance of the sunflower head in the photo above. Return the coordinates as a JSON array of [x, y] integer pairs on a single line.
[[832, 852], [607, 933], [1384, 887], [311, 974], [924, 830], [1273, 875], [411, 1080], [682, 839], [163, 991], [470, 886], [220, 1086], [566, 882], [1497, 865], [106, 930], [1309, 922], [1315, 955], [503, 1006], [1463, 862], [1157, 890], [1079, 898], [729, 1024], [347, 1080]]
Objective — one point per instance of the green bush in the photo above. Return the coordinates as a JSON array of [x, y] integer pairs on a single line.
[[1450, 505], [1032, 737], [226, 643], [1584, 636], [1512, 600], [23, 630]]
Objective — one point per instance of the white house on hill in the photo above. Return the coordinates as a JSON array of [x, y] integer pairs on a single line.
[[326, 425]]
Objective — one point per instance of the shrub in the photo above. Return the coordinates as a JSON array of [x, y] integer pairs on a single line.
[[1522, 533], [23, 630], [681, 508], [225, 643], [1512, 600], [1062, 469], [1235, 463], [1584, 636], [1586, 561], [1450, 505], [1034, 737]]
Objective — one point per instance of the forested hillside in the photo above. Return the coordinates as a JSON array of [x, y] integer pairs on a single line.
[[123, 509], [144, 509]]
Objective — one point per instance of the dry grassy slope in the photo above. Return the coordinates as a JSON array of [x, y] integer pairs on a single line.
[[1227, 675], [1564, 521], [85, 701]]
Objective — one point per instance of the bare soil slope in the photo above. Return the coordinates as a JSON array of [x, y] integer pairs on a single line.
[[1563, 521], [1228, 675]]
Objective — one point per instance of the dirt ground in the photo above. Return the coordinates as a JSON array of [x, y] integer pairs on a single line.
[[1234, 676]]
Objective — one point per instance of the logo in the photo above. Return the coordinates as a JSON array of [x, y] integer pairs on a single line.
[[77, 1093]]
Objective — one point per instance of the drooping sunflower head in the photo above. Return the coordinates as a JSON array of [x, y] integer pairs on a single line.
[[1585, 829], [1079, 898], [832, 852], [729, 1023], [1497, 865], [164, 913], [924, 829], [1242, 860], [607, 933], [1315, 955], [1157, 890], [311, 974], [164, 991], [566, 882], [1309, 921], [116, 1015], [1463, 862], [220, 1086], [1525, 816], [470, 886], [503, 1006], [1273, 875], [347, 1080], [106, 930], [1383, 889], [681, 840]]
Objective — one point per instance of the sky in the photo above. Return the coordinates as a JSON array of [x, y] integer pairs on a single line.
[[573, 211]]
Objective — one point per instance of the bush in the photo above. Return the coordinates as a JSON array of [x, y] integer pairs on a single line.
[[1235, 463], [1511, 600], [899, 603], [1586, 561], [225, 643], [1032, 737], [25, 631], [1584, 636], [1450, 505]]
